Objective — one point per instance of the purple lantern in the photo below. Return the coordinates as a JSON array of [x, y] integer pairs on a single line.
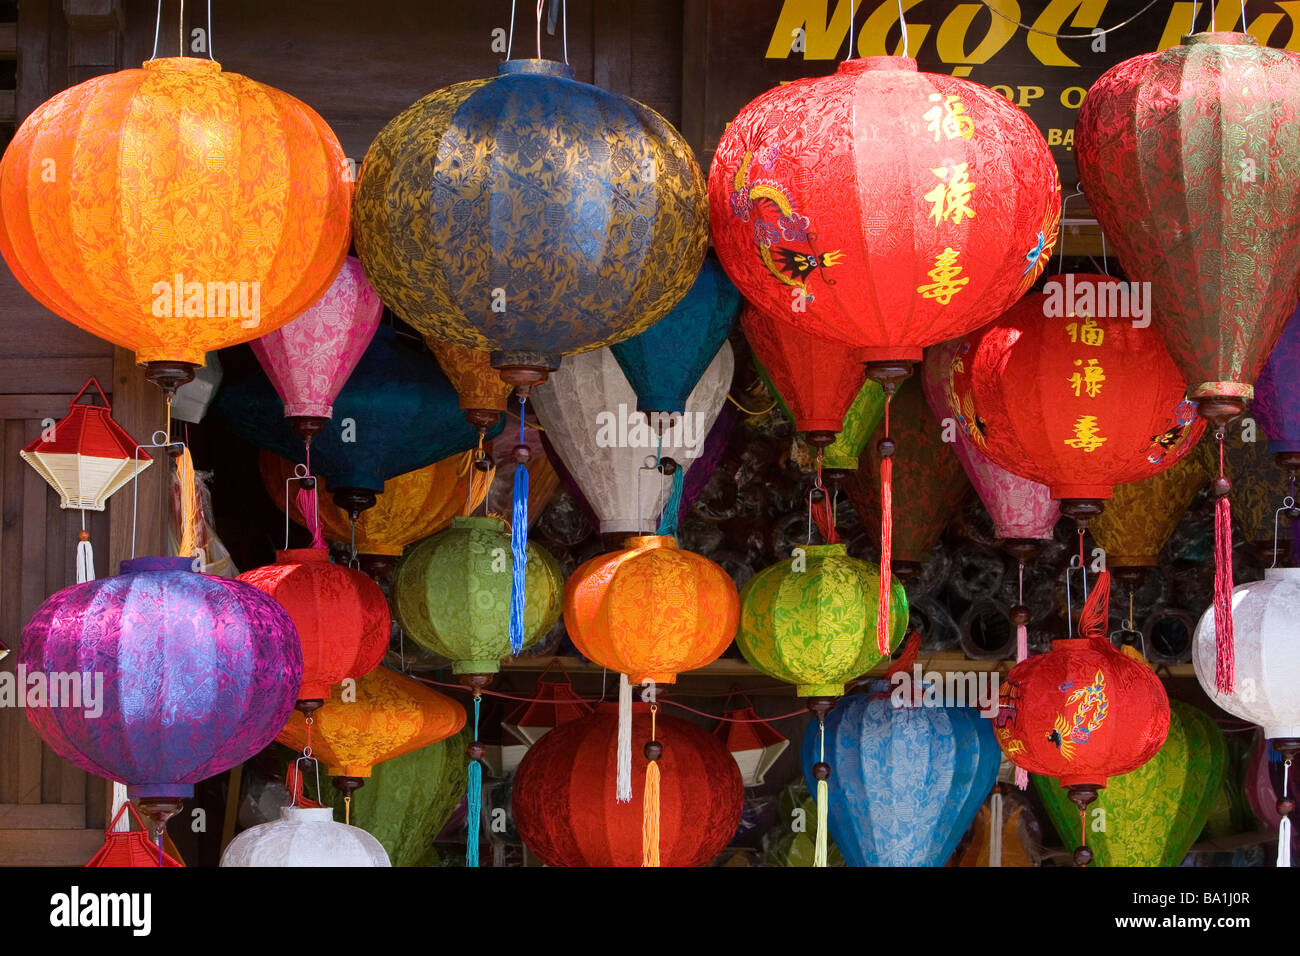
[[199, 673], [1277, 396]]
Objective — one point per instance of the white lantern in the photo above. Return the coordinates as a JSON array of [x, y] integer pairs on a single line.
[[1266, 624], [304, 836], [589, 412]]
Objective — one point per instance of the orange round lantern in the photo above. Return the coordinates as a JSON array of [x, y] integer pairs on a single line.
[[391, 715], [196, 210], [651, 610]]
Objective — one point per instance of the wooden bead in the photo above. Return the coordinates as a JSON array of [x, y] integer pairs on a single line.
[[1082, 856], [653, 750], [821, 771], [667, 465], [1019, 615], [522, 454], [1221, 487], [886, 447], [483, 463], [83, 535], [476, 750], [1285, 806], [817, 496]]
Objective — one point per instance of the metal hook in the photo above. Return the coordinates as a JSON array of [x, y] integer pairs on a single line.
[[1078, 191], [300, 473], [159, 441], [1287, 504]]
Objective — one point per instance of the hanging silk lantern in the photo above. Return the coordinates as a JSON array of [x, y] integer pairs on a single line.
[[408, 800], [588, 412], [810, 620], [199, 673], [935, 488], [1083, 712], [1154, 813], [664, 363], [193, 399], [397, 413], [753, 742], [482, 393], [340, 614], [563, 795], [1264, 772], [1140, 518], [581, 222], [554, 702], [451, 593], [391, 715], [86, 457], [178, 149], [1023, 512], [816, 380], [1190, 161], [1277, 396], [310, 359], [1076, 402], [304, 836], [412, 506], [905, 782], [859, 424]]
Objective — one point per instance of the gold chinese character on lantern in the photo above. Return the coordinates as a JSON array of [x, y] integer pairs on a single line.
[[950, 199], [1085, 434], [944, 283], [1089, 380], [948, 118], [1089, 333]]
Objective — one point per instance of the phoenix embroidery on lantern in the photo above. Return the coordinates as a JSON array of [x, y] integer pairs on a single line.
[[791, 265], [1089, 380], [1068, 733], [950, 199], [948, 118], [1086, 437], [1175, 438], [944, 281]]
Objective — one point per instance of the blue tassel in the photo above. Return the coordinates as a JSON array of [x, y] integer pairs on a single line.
[[668, 522], [519, 548], [474, 801]]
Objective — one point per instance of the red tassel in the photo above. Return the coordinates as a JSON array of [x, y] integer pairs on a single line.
[[886, 542], [1094, 618], [1224, 664], [310, 516], [824, 517]]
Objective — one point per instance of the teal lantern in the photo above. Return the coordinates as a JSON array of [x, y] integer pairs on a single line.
[[398, 412], [664, 362]]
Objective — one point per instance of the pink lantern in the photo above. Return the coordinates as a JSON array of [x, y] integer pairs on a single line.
[[309, 360], [1022, 510]]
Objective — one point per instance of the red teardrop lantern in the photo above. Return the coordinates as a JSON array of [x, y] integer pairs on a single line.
[[1078, 403], [341, 615], [1083, 712], [564, 793]]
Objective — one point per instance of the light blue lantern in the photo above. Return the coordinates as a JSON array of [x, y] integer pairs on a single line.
[[906, 782]]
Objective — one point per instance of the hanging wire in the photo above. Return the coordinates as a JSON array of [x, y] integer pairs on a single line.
[[180, 31], [211, 56], [157, 25], [1078, 191], [135, 475], [510, 39], [902, 22], [1287, 504], [541, 4], [1070, 36], [852, 16], [564, 12]]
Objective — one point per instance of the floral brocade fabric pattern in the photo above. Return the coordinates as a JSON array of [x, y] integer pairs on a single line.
[[1190, 158], [1155, 813], [1277, 391], [451, 593], [258, 202], [585, 209], [200, 673], [814, 625], [470, 371], [883, 207], [1140, 518]]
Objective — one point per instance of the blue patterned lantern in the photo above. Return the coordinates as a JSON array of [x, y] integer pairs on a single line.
[[906, 782], [664, 362], [398, 412]]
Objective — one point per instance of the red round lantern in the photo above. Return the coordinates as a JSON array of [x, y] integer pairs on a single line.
[[883, 207], [564, 793], [341, 615], [1083, 712], [1076, 402]]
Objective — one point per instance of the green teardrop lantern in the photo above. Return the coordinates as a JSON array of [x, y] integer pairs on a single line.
[[811, 619], [860, 423], [1154, 814], [451, 594]]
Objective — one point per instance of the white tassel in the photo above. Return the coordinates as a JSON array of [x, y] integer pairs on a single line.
[[1284, 828], [119, 798], [85, 562], [995, 830], [624, 782]]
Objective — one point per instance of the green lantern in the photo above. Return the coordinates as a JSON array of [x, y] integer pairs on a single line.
[[860, 423], [408, 800], [811, 620], [1154, 814], [451, 594]]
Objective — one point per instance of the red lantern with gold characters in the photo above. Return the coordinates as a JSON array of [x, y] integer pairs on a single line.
[[1065, 389], [1083, 712]]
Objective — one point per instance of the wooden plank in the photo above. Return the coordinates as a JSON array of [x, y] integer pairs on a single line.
[[8, 41], [139, 407], [33, 45], [10, 483], [48, 816], [33, 592], [56, 373], [612, 45], [98, 795], [48, 847], [695, 51], [38, 407]]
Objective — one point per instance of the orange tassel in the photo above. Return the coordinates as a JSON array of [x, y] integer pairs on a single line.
[[650, 817]]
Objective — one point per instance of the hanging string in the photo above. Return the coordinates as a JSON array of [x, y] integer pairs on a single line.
[[474, 796], [902, 23], [852, 16], [211, 56], [1224, 664], [886, 447], [748, 411], [519, 537], [1071, 36], [180, 31], [1083, 566], [540, 5], [1284, 827], [510, 40]]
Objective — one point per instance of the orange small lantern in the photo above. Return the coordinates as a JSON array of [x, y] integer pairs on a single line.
[[482, 393], [174, 210]]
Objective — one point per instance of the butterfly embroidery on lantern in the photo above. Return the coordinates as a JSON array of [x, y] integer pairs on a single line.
[[1088, 716]]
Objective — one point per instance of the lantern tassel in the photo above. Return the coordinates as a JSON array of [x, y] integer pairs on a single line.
[[1094, 617], [85, 557], [519, 546], [650, 805], [668, 522], [995, 829], [1224, 663], [823, 802], [473, 799], [1284, 827], [886, 541], [185, 473], [1022, 652], [624, 775]]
